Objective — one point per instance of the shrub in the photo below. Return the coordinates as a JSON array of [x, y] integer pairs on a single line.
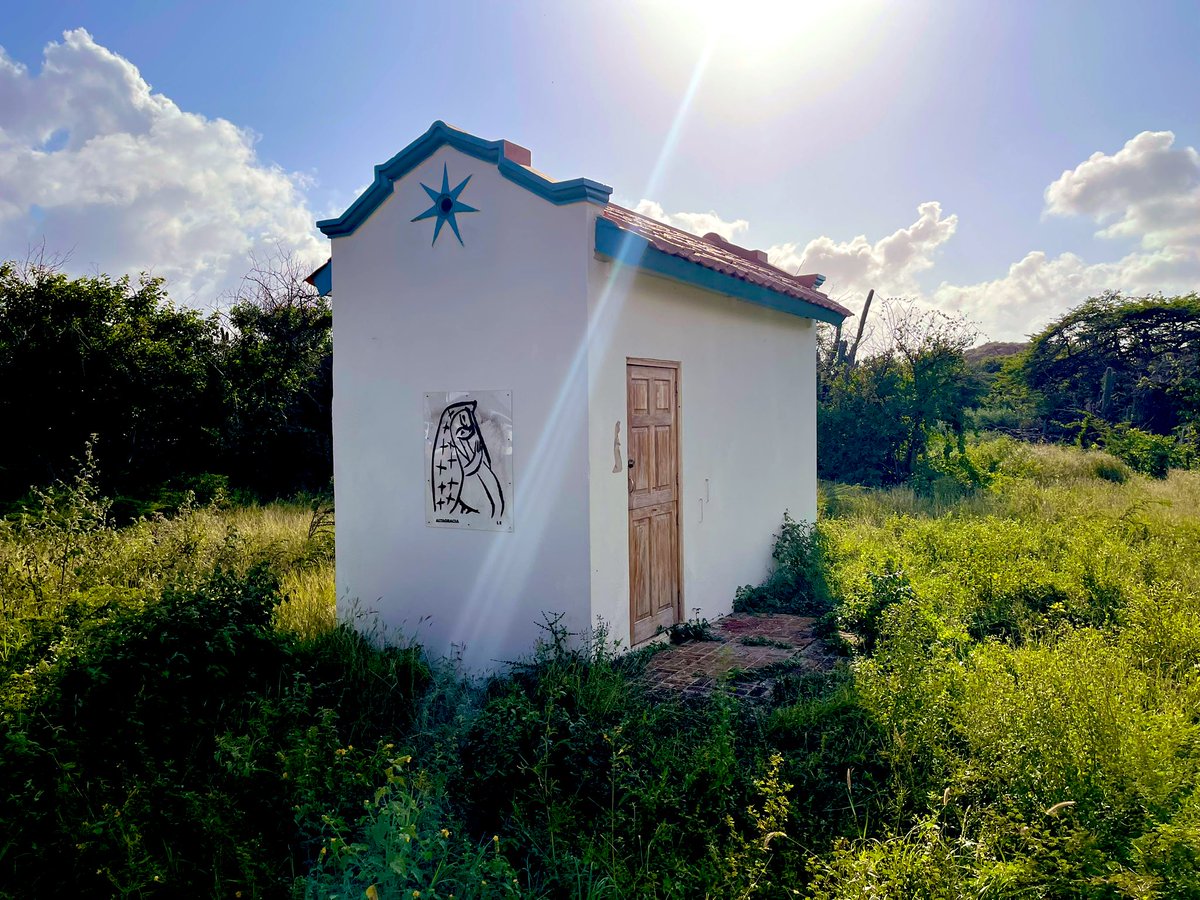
[[1056, 464], [1168, 855], [796, 584], [834, 752], [1029, 678], [876, 415], [691, 630], [170, 393], [183, 742], [1076, 720], [403, 847], [861, 613], [918, 864], [1150, 454], [125, 729]]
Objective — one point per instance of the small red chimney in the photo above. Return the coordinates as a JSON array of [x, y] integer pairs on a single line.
[[518, 154]]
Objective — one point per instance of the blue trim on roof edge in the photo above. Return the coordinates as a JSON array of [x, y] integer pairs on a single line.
[[440, 134], [322, 279], [634, 250]]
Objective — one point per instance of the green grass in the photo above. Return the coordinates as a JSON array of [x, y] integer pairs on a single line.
[[64, 556], [1016, 716], [1035, 647]]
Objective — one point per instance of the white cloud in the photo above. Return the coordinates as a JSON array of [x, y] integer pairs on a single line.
[[851, 267], [96, 164], [889, 265], [1147, 190], [1039, 288], [696, 223]]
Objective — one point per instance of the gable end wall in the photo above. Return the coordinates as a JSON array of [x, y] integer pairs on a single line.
[[504, 311]]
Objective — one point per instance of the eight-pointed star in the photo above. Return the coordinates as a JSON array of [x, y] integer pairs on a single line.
[[446, 205]]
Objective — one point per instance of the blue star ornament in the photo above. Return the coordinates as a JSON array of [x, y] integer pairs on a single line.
[[446, 205]]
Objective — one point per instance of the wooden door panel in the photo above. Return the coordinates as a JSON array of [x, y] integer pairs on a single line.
[[663, 476], [639, 450], [662, 561], [653, 430], [653, 570], [639, 396], [639, 570], [653, 414], [663, 400]]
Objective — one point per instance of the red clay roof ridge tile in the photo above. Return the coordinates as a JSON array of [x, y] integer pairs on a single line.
[[720, 255]]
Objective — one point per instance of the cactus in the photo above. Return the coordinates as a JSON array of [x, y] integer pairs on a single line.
[[1106, 392]]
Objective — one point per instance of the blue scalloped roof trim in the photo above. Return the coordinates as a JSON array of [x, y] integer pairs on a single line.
[[634, 250], [577, 190]]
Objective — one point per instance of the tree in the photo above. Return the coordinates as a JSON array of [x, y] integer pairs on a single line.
[[1007, 403], [1134, 360], [111, 358], [278, 360], [875, 417], [169, 393]]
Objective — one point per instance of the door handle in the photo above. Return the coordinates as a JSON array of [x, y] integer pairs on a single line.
[[631, 464]]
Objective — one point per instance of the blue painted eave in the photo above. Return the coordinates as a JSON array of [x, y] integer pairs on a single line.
[[439, 135], [322, 279], [630, 249]]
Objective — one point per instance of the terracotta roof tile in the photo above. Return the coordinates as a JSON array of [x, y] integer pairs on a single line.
[[713, 252]]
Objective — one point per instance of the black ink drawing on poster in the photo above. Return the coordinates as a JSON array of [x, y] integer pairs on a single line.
[[462, 467], [469, 453]]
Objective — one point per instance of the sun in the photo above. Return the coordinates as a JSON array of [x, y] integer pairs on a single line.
[[769, 33]]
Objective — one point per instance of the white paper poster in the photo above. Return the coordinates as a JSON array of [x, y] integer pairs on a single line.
[[468, 460]]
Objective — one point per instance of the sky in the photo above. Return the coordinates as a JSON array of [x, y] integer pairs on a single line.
[[1000, 161]]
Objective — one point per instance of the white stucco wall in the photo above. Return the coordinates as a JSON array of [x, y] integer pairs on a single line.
[[748, 428], [506, 311]]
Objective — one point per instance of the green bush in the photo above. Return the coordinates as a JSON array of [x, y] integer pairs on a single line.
[[1075, 720], [170, 396], [183, 743], [1032, 678], [586, 774], [834, 752], [796, 583], [918, 864], [121, 733], [861, 613], [877, 414], [691, 630], [403, 848], [1150, 454], [1168, 855]]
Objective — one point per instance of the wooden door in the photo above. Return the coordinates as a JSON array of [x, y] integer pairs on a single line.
[[653, 436]]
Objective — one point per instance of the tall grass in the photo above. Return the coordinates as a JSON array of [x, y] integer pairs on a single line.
[[63, 554], [1035, 674], [309, 606]]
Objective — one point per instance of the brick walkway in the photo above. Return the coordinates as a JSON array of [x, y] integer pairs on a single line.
[[695, 668]]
